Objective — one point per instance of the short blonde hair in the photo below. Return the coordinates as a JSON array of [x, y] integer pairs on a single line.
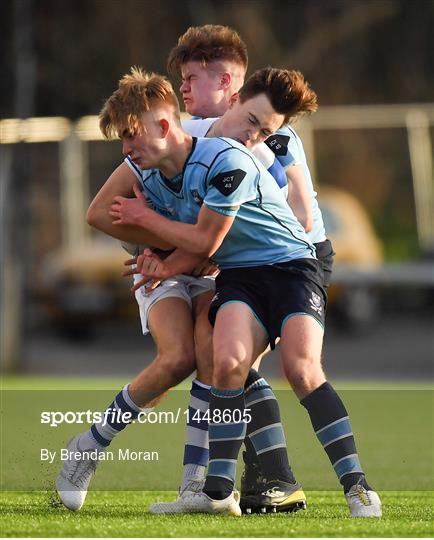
[[138, 92]]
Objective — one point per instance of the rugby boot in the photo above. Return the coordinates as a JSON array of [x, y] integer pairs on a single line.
[[200, 503], [252, 481], [363, 502], [276, 496], [73, 480], [178, 507]]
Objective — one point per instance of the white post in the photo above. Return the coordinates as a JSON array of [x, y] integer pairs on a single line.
[[306, 132], [10, 272], [421, 158], [74, 178]]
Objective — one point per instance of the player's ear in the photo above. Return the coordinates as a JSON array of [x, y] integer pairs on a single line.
[[225, 80], [233, 99], [164, 126]]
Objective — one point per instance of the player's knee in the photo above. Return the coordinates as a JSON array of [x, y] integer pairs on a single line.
[[304, 373], [228, 370], [176, 365]]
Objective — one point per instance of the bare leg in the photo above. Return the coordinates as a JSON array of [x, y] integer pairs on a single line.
[[171, 325], [301, 346], [203, 332], [301, 354], [238, 340]]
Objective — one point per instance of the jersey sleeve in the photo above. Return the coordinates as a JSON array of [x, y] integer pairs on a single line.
[[231, 181], [198, 127], [136, 170], [142, 177], [284, 143], [271, 163]]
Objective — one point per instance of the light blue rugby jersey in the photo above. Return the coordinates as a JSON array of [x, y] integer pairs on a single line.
[[222, 174], [287, 146]]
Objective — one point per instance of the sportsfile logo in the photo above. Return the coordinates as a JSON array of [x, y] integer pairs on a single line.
[[113, 416], [109, 416]]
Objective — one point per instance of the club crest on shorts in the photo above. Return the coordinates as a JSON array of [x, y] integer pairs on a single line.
[[316, 303]]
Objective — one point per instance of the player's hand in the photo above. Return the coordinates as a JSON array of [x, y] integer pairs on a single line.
[[151, 267], [205, 268], [129, 211]]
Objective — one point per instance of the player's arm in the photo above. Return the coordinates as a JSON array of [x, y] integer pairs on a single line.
[[286, 148], [203, 238], [184, 262], [298, 196], [154, 269], [120, 182]]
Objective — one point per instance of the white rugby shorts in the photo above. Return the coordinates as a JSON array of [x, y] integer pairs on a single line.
[[179, 286]]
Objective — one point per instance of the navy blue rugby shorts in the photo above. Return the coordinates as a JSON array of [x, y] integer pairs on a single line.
[[274, 292], [325, 254]]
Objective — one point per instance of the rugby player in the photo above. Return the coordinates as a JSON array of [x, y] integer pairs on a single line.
[[274, 461], [270, 283], [196, 61]]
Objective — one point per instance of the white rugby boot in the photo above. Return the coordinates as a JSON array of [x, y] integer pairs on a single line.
[[73, 480], [363, 503], [200, 503], [176, 507]]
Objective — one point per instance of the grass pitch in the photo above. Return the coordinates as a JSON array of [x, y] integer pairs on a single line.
[[124, 514], [394, 429]]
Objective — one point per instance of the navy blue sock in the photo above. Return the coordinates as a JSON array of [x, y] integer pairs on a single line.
[[118, 415], [332, 426], [227, 430], [265, 430]]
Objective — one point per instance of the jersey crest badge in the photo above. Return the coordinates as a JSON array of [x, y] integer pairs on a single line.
[[167, 211], [228, 182], [278, 144], [196, 197]]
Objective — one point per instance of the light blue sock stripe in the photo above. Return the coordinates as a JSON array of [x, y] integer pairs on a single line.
[[257, 384], [227, 431], [223, 468], [338, 429], [226, 393], [258, 394], [269, 437], [347, 465]]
